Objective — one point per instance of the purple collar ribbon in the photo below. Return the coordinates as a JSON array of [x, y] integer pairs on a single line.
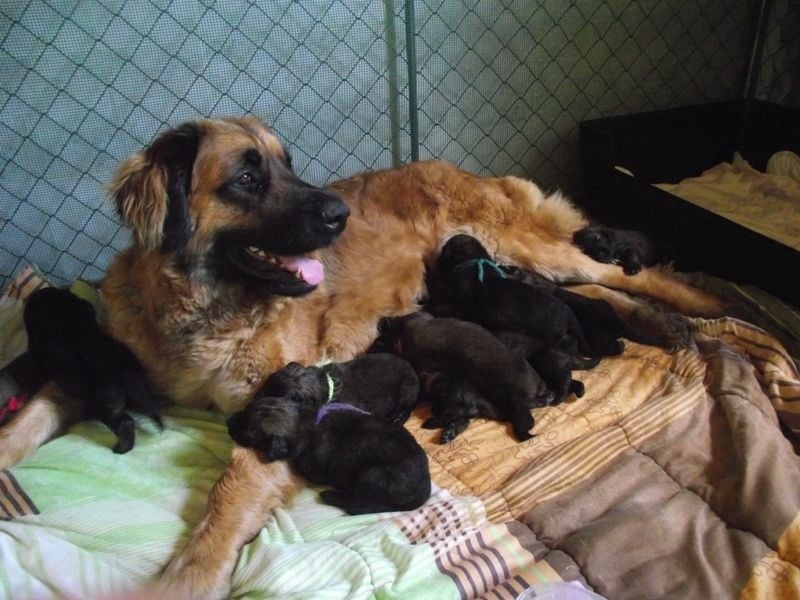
[[334, 406]]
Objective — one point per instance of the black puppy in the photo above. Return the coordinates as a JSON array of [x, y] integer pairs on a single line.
[[507, 384], [630, 249], [471, 286], [67, 345], [553, 365], [340, 425], [454, 401], [602, 326]]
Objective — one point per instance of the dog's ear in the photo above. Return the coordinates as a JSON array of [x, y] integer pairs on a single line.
[[151, 189]]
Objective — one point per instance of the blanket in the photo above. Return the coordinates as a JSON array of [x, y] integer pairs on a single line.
[[670, 478]]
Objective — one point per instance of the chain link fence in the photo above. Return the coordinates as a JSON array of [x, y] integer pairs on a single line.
[[495, 87]]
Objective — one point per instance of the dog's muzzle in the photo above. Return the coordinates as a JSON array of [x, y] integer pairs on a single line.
[[334, 213]]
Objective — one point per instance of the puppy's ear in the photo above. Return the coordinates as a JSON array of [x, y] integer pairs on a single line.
[[151, 189]]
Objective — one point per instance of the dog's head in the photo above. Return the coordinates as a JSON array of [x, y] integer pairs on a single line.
[[221, 197], [458, 249], [268, 424]]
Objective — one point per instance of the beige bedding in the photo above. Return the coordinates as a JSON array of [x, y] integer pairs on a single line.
[[767, 203]]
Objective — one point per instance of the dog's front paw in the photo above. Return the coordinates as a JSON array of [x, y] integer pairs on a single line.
[[189, 577]]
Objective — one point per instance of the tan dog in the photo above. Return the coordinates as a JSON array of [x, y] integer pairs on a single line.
[[224, 284]]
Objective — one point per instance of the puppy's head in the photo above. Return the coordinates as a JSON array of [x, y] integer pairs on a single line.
[[220, 196], [51, 312], [301, 384], [267, 424], [458, 249], [596, 242]]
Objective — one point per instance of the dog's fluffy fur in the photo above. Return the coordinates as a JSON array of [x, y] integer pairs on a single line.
[[67, 345], [207, 299], [373, 464]]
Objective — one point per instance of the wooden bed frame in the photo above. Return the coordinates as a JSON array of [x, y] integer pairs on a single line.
[[670, 145]]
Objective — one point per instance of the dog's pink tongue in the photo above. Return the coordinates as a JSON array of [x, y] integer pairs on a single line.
[[311, 270]]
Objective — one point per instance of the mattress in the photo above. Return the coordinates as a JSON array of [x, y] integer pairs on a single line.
[[766, 202]]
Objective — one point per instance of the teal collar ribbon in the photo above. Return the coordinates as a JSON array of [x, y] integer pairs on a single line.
[[485, 262]]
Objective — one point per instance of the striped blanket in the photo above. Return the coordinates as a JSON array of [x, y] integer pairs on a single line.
[[670, 478]]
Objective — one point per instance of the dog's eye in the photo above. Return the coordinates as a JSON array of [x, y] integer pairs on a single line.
[[246, 179]]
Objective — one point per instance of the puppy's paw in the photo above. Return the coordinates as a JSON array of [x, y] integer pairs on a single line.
[[524, 436], [126, 434], [577, 388], [631, 268], [448, 434], [398, 418]]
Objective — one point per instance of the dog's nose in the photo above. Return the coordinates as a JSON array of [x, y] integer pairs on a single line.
[[334, 214]]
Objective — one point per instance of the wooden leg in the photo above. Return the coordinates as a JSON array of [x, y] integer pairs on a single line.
[[240, 503]]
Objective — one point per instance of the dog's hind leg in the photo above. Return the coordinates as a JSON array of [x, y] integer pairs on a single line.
[[561, 261], [41, 417], [655, 323], [240, 503]]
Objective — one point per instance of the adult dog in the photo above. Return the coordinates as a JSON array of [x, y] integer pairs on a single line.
[[224, 284]]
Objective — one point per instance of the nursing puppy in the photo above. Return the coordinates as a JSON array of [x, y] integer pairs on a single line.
[[473, 287], [632, 250], [335, 426], [67, 345], [467, 351]]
